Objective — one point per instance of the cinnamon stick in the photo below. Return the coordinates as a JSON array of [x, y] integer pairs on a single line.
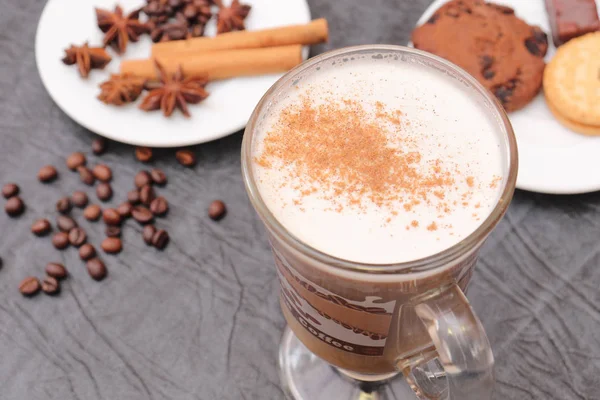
[[311, 33], [221, 64]]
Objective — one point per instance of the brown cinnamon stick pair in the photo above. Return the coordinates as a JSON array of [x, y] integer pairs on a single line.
[[233, 54]]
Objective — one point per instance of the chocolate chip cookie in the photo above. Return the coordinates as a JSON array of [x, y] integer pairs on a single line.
[[490, 42]]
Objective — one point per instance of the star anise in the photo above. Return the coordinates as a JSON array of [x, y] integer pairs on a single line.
[[232, 18], [119, 28], [121, 89], [173, 91], [86, 58]]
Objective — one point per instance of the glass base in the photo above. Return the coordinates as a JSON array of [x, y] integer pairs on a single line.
[[305, 376]]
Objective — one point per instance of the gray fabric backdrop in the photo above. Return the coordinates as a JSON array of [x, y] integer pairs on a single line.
[[201, 320]]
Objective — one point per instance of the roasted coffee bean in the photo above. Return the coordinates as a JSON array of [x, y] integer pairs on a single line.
[[124, 210], [50, 286], [60, 240], [104, 191], [75, 160], [147, 194], [79, 199], [41, 227], [63, 205], [111, 216], [86, 176], [217, 210], [142, 178], [87, 251], [159, 206], [29, 286], [47, 173], [160, 239], [77, 236], [102, 172], [112, 245], [148, 233], [158, 176], [112, 231], [92, 212], [14, 206], [133, 196], [143, 154], [10, 190], [142, 215], [56, 270], [96, 269], [65, 224], [99, 146], [186, 158]]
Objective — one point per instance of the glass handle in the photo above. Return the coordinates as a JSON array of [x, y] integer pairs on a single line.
[[464, 367]]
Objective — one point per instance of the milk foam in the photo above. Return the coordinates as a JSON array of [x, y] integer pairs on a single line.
[[444, 121]]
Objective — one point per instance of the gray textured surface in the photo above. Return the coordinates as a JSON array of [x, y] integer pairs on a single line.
[[201, 320]]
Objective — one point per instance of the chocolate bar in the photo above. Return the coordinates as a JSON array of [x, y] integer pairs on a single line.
[[571, 18]]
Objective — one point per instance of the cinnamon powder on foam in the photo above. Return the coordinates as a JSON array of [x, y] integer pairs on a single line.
[[348, 155]]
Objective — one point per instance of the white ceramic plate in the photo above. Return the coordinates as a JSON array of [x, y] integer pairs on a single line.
[[552, 159], [226, 110]]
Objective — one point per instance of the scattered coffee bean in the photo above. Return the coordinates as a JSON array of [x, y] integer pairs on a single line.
[[160, 239], [124, 210], [87, 251], [56, 270], [142, 178], [96, 269], [159, 206], [92, 212], [14, 206], [112, 231], [158, 176], [133, 196], [10, 190], [147, 194], [63, 205], [143, 154], [50, 286], [111, 216], [47, 173], [29, 286], [217, 210], [77, 236], [60, 240], [65, 224], [148, 233], [102, 172], [99, 146], [41, 227], [142, 215], [104, 191], [86, 176], [79, 199], [112, 245], [75, 160], [186, 158]]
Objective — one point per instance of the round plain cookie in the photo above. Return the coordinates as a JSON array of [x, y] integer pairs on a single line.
[[490, 42], [572, 80], [575, 126]]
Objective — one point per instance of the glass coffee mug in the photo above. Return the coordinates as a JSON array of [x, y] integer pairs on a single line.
[[354, 329]]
